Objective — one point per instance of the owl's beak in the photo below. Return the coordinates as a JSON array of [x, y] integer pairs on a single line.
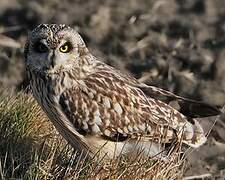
[[51, 58]]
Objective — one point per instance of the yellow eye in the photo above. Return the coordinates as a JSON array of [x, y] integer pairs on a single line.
[[65, 48]]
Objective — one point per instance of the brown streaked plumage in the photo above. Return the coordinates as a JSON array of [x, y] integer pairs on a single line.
[[95, 106]]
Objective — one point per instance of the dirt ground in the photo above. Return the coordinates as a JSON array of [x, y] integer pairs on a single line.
[[178, 45]]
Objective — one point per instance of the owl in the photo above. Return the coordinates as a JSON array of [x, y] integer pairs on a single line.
[[100, 110]]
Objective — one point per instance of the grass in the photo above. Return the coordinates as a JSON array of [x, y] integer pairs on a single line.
[[30, 148]]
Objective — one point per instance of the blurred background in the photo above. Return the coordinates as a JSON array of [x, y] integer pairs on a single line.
[[178, 45]]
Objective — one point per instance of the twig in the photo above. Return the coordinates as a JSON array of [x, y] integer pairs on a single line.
[[10, 29], [1, 172], [216, 119], [198, 176]]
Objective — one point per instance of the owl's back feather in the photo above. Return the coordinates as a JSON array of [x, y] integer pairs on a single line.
[[118, 108]]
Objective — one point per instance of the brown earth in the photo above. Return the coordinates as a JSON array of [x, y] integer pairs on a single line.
[[178, 45]]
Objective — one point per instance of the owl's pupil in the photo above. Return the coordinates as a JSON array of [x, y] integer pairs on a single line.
[[42, 47]]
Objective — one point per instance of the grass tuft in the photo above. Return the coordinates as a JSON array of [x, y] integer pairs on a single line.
[[30, 148]]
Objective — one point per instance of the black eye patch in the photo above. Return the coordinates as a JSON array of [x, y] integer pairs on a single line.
[[40, 47]]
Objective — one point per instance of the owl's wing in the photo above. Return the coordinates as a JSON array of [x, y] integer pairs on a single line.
[[108, 104], [188, 107]]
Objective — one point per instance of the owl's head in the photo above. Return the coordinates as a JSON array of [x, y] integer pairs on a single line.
[[52, 46]]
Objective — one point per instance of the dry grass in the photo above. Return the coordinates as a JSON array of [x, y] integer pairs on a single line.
[[30, 148]]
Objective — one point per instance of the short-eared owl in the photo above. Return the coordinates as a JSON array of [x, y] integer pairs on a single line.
[[97, 108]]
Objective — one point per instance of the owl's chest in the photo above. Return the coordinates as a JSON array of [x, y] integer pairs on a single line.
[[42, 93], [47, 91]]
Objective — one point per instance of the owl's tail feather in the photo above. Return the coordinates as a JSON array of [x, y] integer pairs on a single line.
[[192, 134]]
